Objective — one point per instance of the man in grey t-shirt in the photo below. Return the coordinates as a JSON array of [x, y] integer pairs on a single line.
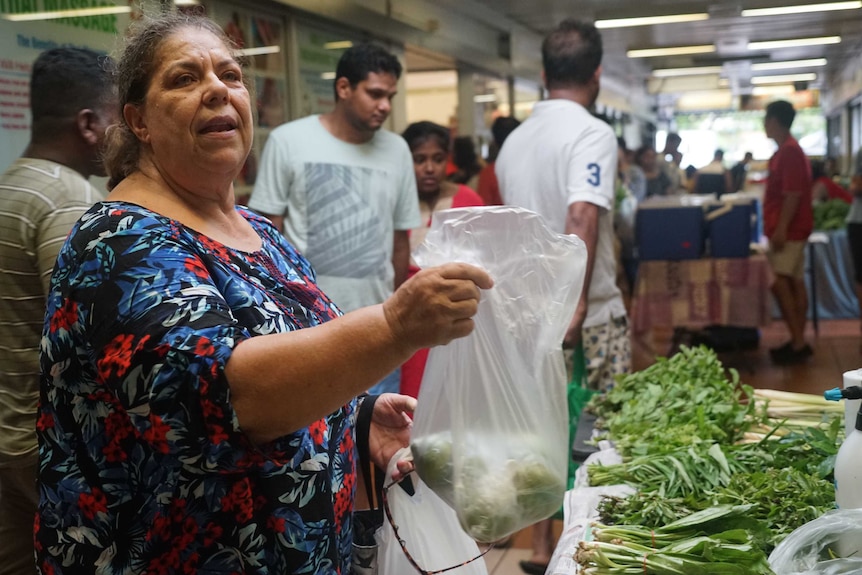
[[342, 190]]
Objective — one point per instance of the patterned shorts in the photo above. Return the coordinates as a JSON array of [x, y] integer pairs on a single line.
[[608, 351]]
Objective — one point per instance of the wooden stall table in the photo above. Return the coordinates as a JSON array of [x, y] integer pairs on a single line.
[[697, 293]]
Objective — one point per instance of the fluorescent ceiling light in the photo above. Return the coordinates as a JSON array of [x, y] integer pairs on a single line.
[[697, 71], [186, 3], [327, 76], [485, 98], [802, 9], [340, 45], [809, 77], [794, 43], [259, 51], [672, 51], [779, 90], [810, 63], [76, 13], [651, 20]]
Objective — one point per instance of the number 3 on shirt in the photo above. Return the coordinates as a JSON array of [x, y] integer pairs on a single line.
[[595, 178]]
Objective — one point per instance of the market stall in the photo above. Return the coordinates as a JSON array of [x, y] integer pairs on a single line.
[[719, 473]]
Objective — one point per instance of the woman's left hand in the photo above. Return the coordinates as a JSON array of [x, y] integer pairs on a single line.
[[390, 431]]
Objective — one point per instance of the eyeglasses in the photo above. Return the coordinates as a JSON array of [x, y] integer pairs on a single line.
[[403, 543]]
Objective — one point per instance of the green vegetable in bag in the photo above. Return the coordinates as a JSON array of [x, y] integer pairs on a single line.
[[540, 491], [432, 457]]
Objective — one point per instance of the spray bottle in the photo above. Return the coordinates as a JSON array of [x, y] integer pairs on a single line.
[[848, 462]]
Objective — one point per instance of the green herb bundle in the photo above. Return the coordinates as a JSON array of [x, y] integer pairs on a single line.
[[707, 542], [676, 402]]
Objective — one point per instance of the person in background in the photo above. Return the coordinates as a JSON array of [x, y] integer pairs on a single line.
[[42, 194], [670, 162], [713, 178], [787, 221], [198, 389], [428, 143], [561, 163], [631, 190], [830, 167], [342, 190], [487, 187], [631, 175], [854, 228], [467, 163], [657, 181], [739, 172], [824, 187]]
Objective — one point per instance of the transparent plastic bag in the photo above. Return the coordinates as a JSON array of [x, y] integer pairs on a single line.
[[828, 545], [429, 529], [490, 433]]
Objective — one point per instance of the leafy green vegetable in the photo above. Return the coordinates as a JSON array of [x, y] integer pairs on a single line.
[[830, 215], [676, 402]]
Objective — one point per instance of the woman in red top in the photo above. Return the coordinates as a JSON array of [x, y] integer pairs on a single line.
[[824, 188], [429, 145]]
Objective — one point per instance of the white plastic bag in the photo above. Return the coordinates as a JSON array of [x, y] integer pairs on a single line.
[[490, 433], [429, 529], [828, 545]]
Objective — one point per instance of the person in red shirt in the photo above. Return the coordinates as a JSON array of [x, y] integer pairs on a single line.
[[429, 143], [488, 188], [788, 219], [825, 188]]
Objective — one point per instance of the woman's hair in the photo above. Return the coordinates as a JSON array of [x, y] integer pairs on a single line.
[[418, 133], [135, 68], [818, 169], [465, 158]]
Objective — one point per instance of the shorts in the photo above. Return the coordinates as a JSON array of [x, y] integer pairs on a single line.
[[608, 352], [790, 261]]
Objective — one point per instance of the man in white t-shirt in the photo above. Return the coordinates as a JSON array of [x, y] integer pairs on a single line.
[[561, 163], [342, 190]]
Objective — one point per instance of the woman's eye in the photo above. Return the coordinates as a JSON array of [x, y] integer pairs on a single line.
[[183, 80], [232, 76]]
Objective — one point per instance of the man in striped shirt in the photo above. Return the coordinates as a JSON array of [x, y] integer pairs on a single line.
[[42, 195]]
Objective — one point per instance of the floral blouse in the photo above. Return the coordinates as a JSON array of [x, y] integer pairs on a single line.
[[143, 465]]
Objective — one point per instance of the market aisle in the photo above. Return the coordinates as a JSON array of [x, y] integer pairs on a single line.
[[837, 350]]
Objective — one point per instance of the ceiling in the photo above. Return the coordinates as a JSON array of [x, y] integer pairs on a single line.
[[725, 28]]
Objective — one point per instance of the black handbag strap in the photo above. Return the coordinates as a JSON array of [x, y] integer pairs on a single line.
[[371, 475]]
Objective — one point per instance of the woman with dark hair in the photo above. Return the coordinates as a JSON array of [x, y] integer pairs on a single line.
[[428, 143], [198, 407], [823, 188]]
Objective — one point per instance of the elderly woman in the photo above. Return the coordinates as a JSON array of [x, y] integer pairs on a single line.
[[197, 407]]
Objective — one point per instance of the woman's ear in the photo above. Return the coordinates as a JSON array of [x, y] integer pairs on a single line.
[[136, 122]]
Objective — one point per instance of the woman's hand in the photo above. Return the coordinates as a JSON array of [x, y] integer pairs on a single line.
[[436, 305], [390, 431]]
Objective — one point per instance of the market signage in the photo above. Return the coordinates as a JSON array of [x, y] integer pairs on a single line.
[[22, 41]]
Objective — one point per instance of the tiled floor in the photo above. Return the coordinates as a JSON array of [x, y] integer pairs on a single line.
[[837, 349]]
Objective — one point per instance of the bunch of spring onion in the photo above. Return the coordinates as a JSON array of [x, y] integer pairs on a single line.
[[787, 412], [679, 548]]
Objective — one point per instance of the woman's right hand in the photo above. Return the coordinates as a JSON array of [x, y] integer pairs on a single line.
[[436, 305]]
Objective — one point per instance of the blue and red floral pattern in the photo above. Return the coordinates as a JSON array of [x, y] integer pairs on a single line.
[[144, 468]]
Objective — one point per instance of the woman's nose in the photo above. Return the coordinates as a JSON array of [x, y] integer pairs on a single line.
[[216, 90]]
